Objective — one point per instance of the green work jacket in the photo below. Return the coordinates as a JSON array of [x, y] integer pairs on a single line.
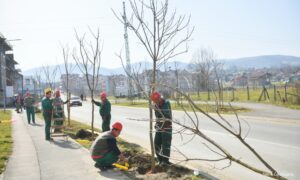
[[105, 107], [163, 112], [47, 106]]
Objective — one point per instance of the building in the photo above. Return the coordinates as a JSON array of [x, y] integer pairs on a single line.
[[259, 78], [78, 85], [10, 77], [240, 80]]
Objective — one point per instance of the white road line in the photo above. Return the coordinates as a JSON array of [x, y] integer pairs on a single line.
[[252, 139]]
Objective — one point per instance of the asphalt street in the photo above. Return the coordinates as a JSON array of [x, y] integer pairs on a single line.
[[276, 139]]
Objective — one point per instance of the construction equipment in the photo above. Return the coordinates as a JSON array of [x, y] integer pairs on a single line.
[[58, 119]]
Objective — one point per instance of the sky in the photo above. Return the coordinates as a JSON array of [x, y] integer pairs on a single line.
[[231, 28]]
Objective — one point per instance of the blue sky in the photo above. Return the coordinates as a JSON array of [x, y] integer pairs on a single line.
[[231, 28]]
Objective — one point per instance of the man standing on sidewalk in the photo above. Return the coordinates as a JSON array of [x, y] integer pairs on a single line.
[[104, 111], [29, 106], [47, 112], [104, 150], [163, 127]]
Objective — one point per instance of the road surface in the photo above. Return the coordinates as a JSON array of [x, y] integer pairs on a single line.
[[277, 141]]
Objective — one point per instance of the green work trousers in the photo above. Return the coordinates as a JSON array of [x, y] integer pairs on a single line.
[[162, 142], [30, 114], [47, 119], [106, 123], [107, 160]]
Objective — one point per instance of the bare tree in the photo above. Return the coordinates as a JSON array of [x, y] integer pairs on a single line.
[[88, 58], [161, 35], [217, 67], [50, 75], [38, 79], [236, 131], [202, 64], [191, 126], [69, 67]]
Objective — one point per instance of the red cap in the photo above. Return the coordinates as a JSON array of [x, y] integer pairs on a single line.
[[155, 96], [57, 93], [103, 95], [117, 126]]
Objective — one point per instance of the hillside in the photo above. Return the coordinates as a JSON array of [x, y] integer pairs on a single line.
[[245, 62]]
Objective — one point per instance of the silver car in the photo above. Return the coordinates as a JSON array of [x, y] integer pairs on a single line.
[[75, 100]]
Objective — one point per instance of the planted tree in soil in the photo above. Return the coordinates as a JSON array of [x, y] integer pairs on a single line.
[[164, 35], [88, 60], [69, 67]]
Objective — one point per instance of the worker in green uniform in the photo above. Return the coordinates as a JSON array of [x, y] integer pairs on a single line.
[[47, 112], [105, 108], [29, 106], [163, 127], [58, 110], [104, 150]]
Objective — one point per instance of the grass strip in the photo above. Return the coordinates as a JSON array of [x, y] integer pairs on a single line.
[[5, 138]]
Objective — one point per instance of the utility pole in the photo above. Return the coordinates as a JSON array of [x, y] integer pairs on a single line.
[[128, 65]]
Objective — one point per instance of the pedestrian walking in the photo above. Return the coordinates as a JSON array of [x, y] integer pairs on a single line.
[[163, 127], [105, 108], [18, 104], [29, 103], [47, 112]]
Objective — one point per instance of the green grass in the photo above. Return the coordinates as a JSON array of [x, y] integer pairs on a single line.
[[5, 138], [76, 126], [241, 95], [206, 107]]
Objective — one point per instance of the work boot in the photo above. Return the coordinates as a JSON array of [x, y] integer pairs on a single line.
[[165, 164]]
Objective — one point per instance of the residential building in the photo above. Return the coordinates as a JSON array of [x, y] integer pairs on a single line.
[[10, 77]]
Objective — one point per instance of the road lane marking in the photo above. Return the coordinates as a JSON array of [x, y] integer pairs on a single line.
[[257, 140]]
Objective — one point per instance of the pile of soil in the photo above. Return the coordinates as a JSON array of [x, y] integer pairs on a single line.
[[83, 134], [140, 168], [140, 163]]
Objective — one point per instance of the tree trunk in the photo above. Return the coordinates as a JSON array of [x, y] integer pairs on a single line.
[[68, 107], [151, 118], [92, 123]]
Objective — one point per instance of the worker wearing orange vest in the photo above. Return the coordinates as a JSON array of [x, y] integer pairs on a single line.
[[163, 126], [104, 150]]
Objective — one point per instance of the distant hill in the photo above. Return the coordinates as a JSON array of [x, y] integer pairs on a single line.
[[107, 71], [246, 62], [263, 61]]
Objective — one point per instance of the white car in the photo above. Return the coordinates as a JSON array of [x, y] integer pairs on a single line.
[[75, 100]]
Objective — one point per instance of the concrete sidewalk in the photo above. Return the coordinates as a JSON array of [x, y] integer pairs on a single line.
[[34, 158]]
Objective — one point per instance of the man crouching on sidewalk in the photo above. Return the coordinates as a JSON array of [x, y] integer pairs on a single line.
[[104, 150]]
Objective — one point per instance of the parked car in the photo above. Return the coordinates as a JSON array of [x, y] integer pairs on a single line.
[[75, 100]]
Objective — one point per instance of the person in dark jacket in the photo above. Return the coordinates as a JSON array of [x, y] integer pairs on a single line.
[[47, 112], [105, 108], [163, 127], [104, 150], [29, 103]]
